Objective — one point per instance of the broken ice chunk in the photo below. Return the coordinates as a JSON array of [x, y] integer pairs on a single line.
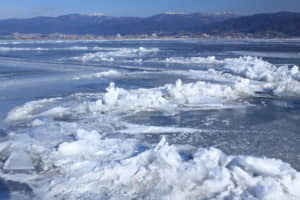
[[19, 160]]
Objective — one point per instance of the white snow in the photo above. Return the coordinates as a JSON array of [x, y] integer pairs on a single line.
[[110, 54]]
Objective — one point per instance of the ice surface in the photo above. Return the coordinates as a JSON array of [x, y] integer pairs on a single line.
[[70, 48], [84, 146], [193, 60], [169, 98], [162, 173], [37, 122], [73, 48], [279, 79], [95, 167], [98, 75], [18, 160], [28, 109], [141, 129], [110, 54], [50, 41], [268, 54], [250, 67]]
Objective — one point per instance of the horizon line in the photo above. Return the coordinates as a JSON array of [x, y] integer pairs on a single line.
[[100, 14]]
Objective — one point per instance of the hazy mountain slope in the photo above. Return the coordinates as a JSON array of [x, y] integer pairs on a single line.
[[105, 25], [287, 23], [283, 23]]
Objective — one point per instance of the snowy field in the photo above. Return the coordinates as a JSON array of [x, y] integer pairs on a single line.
[[150, 119]]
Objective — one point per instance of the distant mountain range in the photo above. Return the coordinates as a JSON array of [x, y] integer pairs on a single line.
[[282, 23], [285, 24]]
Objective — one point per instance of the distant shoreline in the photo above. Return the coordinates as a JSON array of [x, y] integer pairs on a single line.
[[147, 38], [280, 25]]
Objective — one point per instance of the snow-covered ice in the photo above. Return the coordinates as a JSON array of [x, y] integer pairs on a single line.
[[108, 130]]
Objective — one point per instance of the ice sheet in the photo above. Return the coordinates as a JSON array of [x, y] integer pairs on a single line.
[[84, 146]]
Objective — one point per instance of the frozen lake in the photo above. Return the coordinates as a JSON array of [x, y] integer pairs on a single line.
[[150, 119]]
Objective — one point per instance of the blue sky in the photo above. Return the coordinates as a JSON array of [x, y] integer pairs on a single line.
[[30, 8]]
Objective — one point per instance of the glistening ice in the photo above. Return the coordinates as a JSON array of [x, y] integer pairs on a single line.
[[140, 119]]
